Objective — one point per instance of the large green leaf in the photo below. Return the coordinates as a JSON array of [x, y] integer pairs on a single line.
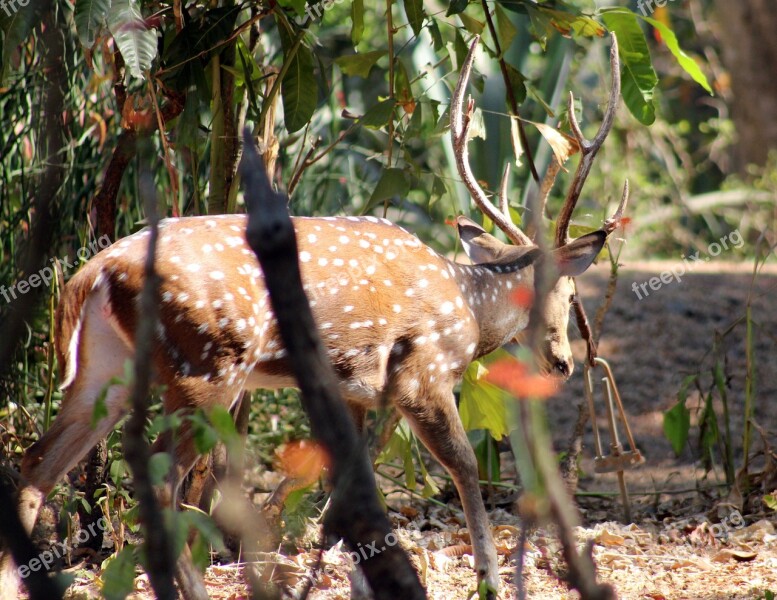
[[378, 116], [638, 79], [298, 87], [505, 27], [482, 404], [414, 9], [359, 64], [686, 62], [119, 575], [393, 182], [90, 17], [136, 42]]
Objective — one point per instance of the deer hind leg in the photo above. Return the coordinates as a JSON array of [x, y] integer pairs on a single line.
[[101, 357], [435, 420]]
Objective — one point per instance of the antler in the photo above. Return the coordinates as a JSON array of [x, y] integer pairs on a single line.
[[460, 124], [588, 149]]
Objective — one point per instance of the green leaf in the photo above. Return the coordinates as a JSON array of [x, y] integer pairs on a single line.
[[471, 24], [709, 433], [378, 116], [771, 501], [487, 454], [434, 31], [677, 424], [224, 424], [517, 82], [414, 9], [16, 27], [203, 523], [100, 408], [685, 61], [568, 23], [90, 17], [118, 470], [400, 447], [638, 79], [359, 65], [205, 436], [456, 7], [298, 88], [136, 43], [158, 467], [357, 20], [402, 91], [393, 182], [504, 25], [119, 575], [482, 404]]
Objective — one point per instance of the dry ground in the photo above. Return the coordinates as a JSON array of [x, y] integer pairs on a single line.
[[671, 551]]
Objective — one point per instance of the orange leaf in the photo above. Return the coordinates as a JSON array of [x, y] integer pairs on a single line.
[[514, 377], [303, 460], [523, 296]]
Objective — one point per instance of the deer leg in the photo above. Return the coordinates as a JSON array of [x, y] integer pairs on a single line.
[[59, 450], [436, 422]]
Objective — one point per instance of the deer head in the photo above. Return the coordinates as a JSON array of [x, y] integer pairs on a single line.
[[569, 258]]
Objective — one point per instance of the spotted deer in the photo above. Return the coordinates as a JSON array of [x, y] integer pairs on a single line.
[[396, 318]]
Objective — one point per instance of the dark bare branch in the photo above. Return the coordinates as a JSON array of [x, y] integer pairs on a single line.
[[355, 513]]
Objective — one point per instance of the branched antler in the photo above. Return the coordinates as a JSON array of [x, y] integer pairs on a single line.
[[460, 124], [589, 149]]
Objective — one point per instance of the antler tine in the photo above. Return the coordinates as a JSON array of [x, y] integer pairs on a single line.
[[588, 149], [614, 221], [460, 124], [545, 187]]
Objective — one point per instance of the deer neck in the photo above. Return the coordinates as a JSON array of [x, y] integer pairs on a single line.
[[492, 292]]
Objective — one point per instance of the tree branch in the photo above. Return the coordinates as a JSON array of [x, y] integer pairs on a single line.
[[355, 513]]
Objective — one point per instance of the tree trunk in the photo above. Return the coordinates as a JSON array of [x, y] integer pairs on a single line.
[[750, 52]]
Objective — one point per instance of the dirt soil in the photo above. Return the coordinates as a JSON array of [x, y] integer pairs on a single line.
[[683, 544]]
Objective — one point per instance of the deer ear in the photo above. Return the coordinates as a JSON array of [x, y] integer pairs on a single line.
[[574, 258], [480, 246]]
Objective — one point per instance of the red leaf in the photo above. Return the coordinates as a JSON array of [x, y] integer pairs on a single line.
[[513, 376], [523, 296], [303, 460]]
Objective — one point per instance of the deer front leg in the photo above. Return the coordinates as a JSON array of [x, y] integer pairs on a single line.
[[435, 420]]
